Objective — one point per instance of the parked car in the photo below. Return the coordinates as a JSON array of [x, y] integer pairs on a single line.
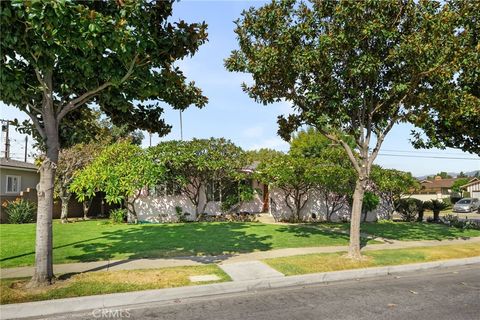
[[466, 205]]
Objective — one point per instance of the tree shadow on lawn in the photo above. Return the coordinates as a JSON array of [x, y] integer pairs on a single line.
[[334, 237], [164, 241], [202, 242], [415, 231], [55, 247]]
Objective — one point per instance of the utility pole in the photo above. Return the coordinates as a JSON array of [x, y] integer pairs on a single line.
[[181, 126], [5, 127], [26, 147]]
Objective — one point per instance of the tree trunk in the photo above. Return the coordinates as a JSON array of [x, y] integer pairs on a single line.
[[436, 215], [65, 200], [86, 207], [420, 216], [43, 274], [354, 247]]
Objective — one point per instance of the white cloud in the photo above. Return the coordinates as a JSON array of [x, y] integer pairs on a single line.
[[285, 107], [253, 132], [272, 143]]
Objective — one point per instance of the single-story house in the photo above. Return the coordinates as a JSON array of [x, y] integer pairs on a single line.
[[19, 179], [435, 189], [162, 203], [473, 188]]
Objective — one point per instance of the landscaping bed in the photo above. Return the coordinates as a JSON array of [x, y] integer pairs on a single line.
[[104, 282], [326, 262]]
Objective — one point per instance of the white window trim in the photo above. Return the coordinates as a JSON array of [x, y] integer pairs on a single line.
[[19, 184]]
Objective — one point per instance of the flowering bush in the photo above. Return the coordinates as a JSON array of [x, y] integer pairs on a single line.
[[20, 211]]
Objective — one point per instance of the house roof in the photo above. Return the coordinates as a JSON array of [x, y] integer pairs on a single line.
[[251, 167], [438, 183], [471, 182], [15, 164]]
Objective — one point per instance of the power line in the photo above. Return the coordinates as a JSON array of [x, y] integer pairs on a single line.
[[424, 152], [428, 157]]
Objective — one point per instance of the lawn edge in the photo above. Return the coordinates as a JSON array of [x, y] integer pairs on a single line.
[[167, 296]]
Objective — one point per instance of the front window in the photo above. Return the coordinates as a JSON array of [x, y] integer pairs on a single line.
[[13, 184], [464, 201], [218, 191], [170, 188]]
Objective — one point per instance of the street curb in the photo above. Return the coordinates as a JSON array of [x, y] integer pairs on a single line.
[[165, 296]]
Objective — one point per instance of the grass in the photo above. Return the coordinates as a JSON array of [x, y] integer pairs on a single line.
[[325, 262], [408, 231], [96, 240], [95, 283]]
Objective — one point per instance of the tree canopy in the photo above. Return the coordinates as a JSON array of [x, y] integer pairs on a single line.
[[391, 185], [335, 176], [70, 163], [348, 67], [118, 55], [59, 57], [192, 165], [121, 171]]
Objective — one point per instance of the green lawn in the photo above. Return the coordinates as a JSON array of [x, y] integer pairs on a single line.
[[94, 283], [95, 240], [406, 231], [326, 262]]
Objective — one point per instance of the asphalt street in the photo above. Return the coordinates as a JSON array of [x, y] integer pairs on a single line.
[[448, 294]]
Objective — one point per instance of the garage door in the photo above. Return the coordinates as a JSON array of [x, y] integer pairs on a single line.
[[476, 194]]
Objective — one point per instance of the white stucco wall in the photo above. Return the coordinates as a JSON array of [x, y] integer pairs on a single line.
[[315, 205], [428, 197], [162, 208]]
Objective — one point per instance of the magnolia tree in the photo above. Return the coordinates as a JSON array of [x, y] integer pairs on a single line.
[[193, 164], [348, 67], [121, 171], [63, 56], [70, 163], [454, 109]]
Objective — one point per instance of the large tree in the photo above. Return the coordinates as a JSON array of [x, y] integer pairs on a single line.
[[120, 171], [63, 56], [295, 176], [70, 163], [336, 178], [455, 109], [347, 67], [192, 165]]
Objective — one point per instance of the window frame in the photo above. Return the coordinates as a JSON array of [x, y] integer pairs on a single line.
[[19, 184]]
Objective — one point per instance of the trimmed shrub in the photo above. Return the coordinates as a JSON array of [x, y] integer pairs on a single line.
[[410, 209], [118, 215], [20, 211]]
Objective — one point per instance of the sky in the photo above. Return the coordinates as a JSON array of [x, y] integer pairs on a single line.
[[230, 113]]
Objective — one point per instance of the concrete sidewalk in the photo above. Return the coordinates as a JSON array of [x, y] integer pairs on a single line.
[[127, 300], [127, 264]]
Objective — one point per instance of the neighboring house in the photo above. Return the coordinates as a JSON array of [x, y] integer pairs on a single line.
[[17, 178], [473, 188], [435, 189]]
